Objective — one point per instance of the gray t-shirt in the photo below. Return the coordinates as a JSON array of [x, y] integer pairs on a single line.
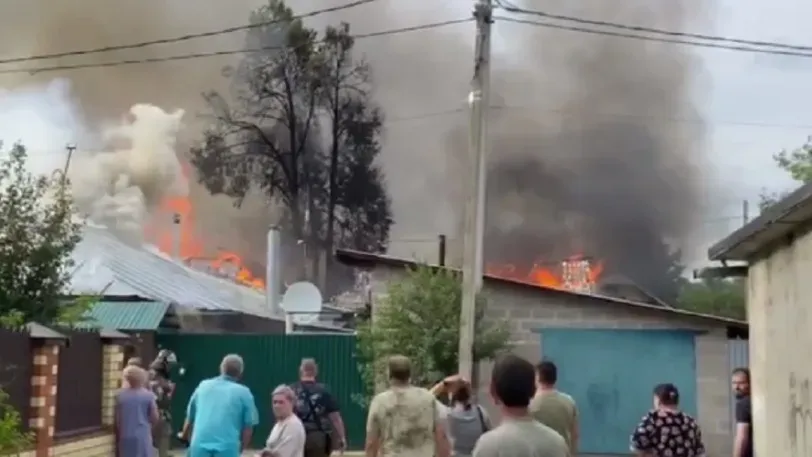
[[521, 438], [465, 426]]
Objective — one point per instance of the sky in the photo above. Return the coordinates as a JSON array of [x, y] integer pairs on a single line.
[[758, 105]]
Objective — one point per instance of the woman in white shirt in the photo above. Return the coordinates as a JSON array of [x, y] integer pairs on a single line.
[[287, 438]]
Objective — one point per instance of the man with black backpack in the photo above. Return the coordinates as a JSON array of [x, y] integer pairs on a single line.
[[318, 411]]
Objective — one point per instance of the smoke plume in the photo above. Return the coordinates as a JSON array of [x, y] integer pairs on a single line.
[[590, 154], [119, 184], [103, 95]]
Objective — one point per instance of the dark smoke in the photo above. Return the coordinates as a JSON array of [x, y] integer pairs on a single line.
[[585, 158], [611, 169]]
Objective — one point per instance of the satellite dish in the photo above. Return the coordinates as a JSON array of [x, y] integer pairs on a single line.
[[305, 319], [302, 298]]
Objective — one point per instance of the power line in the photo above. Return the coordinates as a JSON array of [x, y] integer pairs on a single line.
[[178, 39], [200, 55], [508, 6], [592, 31]]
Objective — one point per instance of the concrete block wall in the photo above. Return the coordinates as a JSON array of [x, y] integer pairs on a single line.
[[112, 365], [528, 314], [529, 310], [97, 446], [45, 360]]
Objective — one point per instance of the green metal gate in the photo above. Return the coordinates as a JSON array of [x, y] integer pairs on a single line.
[[271, 360]]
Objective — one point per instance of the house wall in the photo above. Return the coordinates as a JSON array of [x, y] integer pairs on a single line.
[[529, 310], [780, 321]]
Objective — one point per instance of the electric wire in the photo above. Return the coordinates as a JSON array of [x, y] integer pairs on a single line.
[[731, 47], [181, 38], [200, 55], [508, 6]]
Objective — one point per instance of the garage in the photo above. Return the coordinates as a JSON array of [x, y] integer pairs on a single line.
[[611, 374]]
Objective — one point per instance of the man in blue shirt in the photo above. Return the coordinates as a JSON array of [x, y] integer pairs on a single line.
[[221, 414]]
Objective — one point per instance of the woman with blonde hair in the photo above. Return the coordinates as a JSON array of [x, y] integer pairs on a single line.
[[287, 438], [135, 414]]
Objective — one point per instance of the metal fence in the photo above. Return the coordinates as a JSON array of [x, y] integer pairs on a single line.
[[79, 384], [271, 360], [15, 371]]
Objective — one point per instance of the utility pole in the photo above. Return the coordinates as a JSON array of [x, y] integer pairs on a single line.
[[70, 148], [474, 228], [745, 212]]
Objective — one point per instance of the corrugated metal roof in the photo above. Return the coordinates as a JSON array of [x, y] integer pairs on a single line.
[[103, 260], [105, 264], [140, 315]]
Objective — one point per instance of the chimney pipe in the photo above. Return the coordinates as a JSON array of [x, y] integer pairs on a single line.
[[176, 236], [441, 254], [273, 265]]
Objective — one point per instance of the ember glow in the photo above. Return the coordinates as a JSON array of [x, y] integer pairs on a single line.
[[575, 274], [192, 249]]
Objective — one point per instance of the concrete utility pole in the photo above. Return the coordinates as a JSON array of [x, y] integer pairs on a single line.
[[745, 212], [474, 228]]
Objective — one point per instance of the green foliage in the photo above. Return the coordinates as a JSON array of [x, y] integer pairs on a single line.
[[37, 236], [719, 297], [77, 310], [420, 318], [13, 441], [798, 163]]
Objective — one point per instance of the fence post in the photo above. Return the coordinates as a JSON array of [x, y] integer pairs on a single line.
[[112, 364], [43, 395]]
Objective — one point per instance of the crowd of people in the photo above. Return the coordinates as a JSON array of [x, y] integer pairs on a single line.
[[536, 419]]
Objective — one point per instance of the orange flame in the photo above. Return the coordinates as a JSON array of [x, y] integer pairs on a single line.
[[192, 249], [575, 274]]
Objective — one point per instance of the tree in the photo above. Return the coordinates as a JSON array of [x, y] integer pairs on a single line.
[[303, 130], [798, 163], [719, 297], [37, 236], [420, 318], [13, 440]]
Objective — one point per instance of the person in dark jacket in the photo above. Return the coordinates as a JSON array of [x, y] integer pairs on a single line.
[[319, 413]]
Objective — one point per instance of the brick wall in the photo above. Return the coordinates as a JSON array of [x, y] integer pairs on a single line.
[[45, 358], [529, 310]]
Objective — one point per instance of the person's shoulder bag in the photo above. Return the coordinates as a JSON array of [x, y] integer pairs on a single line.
[[314, 414], [482, 421]]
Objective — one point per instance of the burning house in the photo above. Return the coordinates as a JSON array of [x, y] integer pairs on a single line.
[[610, 351]]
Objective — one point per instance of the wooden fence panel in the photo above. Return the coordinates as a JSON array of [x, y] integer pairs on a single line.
[[15, 371], [79, 385]]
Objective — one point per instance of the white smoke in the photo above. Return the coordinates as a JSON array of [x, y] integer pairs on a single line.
[[119, 172]]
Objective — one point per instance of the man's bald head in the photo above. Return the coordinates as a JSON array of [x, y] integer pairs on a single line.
[[308, 369]]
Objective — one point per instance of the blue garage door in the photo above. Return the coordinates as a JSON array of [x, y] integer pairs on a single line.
[[611, 374]]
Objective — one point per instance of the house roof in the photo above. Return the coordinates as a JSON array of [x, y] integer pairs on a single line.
[[106, 265], [778, 221], [357, 258], [130, 315]]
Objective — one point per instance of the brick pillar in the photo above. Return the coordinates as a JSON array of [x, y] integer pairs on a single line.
[[111, 379], [43, 397]]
